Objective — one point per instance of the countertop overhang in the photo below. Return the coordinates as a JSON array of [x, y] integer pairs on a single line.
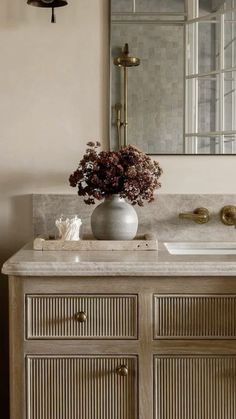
[[28, 262]]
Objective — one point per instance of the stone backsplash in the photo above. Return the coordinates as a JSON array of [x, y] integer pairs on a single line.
[[160, 216]]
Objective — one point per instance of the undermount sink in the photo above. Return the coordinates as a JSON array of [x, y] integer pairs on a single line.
[[201, 248]]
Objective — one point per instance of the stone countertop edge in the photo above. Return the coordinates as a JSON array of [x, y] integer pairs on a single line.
[[28, 262]]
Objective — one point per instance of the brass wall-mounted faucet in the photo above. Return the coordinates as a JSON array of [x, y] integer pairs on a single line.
[[228, 215], [199, 215]]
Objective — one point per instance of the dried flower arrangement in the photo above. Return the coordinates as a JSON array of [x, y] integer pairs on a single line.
[[128, 172]]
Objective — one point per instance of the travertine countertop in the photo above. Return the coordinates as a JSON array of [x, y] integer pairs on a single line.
[[28, 262]]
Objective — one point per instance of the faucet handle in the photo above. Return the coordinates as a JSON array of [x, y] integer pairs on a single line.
[[228, 215]]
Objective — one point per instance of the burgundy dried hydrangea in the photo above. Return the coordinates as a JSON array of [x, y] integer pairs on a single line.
[[127, 172]]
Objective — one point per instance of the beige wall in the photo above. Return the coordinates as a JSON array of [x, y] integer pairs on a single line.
[[53, 84]]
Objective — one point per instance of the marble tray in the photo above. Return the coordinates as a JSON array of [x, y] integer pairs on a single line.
[[143, 242]]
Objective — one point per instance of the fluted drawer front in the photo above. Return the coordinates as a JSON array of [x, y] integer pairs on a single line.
[[195, 316], [195, 387], [81, 388], [81, 316]]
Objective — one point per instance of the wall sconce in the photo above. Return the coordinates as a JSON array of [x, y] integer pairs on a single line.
[[52, 4]]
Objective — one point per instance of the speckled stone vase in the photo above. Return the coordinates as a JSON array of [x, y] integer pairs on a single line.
[[114, 219]]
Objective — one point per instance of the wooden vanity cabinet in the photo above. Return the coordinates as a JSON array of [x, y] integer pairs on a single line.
[[122, 348]]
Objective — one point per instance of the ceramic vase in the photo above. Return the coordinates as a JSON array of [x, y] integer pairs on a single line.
[[114, 219]]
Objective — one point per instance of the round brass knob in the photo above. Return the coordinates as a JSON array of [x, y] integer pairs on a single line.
[[228, 215], [81, 317], [122, 370]]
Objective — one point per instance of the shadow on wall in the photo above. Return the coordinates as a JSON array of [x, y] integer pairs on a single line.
[[21, 232], [4, 348], [12, 13], [21, 219], [17, 229]]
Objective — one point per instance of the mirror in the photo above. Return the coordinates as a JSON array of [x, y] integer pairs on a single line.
[[173, 76]]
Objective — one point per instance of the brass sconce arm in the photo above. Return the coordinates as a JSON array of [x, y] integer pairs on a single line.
[[199, 215], [51, 4]]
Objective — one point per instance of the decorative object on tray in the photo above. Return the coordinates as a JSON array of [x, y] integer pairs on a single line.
[[142, 242], [115, 176], [69, 228]]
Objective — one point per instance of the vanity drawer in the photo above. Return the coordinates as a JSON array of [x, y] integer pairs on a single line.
[[195, 316], [81, 316]]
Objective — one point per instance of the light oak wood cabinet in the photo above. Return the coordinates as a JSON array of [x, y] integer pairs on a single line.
[[123, 348]]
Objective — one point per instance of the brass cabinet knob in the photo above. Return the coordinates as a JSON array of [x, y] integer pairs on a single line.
[[228, 215], [81, 317], [122, 370]]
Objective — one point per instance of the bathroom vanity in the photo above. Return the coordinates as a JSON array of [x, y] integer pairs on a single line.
[[122, 335]]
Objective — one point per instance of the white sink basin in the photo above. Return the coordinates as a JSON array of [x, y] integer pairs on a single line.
[[201, 248]]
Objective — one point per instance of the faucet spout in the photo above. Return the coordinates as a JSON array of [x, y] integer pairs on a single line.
[[199, 215]]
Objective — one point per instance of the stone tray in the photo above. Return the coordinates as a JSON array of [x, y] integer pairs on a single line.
[[144, 242]]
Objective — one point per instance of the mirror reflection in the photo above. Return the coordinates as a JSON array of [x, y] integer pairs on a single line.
[[177, 96]]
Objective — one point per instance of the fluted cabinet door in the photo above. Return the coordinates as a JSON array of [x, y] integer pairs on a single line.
[[81, 387], [195, 387]]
